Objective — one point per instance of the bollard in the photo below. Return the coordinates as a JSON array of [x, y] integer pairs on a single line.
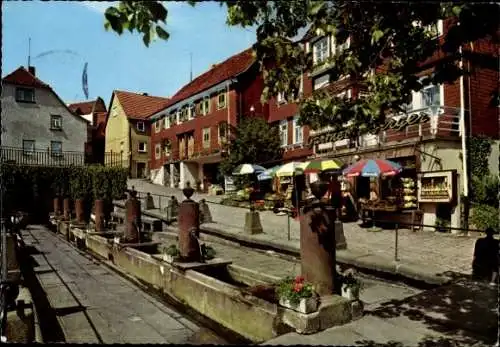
[[317, 242], [80, 210], [189, 227], [133, 219], [66, 209], [150, 204], [172, 208], [205, 215], [396, 240], [99, 215], [57, 206]]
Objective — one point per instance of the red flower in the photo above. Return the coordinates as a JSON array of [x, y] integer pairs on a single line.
[[299, 279], [298, 287]]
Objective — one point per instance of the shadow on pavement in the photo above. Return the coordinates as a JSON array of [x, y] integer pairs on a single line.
[[466, 311], [426, 342]]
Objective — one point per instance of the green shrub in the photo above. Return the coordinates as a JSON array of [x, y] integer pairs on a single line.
[[485, 190], [485, 216]]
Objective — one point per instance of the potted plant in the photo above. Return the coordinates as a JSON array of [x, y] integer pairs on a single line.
[[80, 184], [351, 286], [207, 252], [171, 254], [298, 295]]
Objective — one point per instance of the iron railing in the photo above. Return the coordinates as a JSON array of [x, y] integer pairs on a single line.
[[15, 155]]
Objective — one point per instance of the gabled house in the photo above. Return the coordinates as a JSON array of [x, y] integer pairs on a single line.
[[95, 112], [37, 126], [128, 129], [190, 133]]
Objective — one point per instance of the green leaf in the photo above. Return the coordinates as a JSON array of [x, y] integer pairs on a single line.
[[146, 38], [377, 35], [162, 34], [456, 10]]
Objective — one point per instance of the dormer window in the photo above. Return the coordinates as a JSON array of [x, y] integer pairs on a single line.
[[25, 95], [140, 126], [55, 122], [221, 100]]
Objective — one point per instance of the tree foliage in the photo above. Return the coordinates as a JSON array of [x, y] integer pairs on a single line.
[[254, 141], [392, 37]]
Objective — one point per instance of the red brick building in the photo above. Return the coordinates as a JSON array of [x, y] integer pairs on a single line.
[[95, 112], [427, 139]]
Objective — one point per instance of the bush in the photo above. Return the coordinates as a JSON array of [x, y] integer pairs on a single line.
[[485, 190], [485, 216]]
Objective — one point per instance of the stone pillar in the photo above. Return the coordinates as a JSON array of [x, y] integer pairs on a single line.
[[80, 210], [99, 215], [172, 208], [66, 209], [150, 204], [252, 222], [317, 243], [57, 206], [133, 212], [189, 220]]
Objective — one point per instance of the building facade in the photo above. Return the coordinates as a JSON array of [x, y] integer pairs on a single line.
[[190, 134], [128, 130], [96, 114], [37, 126], [427, 139]]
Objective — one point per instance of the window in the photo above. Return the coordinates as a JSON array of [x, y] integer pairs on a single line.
[[157, 151], [158, 125], [166, 121], [140, 126], [192, 111], [281, 98], [338, 49], [221, 100], [178, 117], [56, 148], [430, 96], [298, 133], [55, 122], [143, 147], [25, 95], [184, 116], [28, 147], [222, 132], [206, 137], [283, 128], [205, 106], [320, 50], [166, 147]]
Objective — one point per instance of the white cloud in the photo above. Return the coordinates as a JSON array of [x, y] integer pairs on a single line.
[[97, 6]]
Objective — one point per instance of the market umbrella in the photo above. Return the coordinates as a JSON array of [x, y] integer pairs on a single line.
[[373, 168], [247, 169], [319, 165], [268, 174], [291, 169]]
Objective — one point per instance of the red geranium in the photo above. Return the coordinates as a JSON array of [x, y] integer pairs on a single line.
[[299, 279]]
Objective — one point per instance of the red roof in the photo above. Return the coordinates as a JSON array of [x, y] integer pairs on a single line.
[[84, 107], [227, 69], [23, 77], [139, 106]]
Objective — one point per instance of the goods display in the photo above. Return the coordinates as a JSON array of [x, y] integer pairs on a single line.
[[409, 196]]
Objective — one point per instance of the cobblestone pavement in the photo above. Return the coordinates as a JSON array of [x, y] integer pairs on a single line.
[[100, 306], [445, 252]]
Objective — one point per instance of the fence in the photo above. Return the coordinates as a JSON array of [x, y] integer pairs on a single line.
[[22, 156]]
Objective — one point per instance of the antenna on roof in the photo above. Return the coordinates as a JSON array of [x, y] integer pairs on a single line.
[[191, 66], [29, 52]]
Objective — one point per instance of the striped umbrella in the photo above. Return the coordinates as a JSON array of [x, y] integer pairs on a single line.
[[247, 169], [290, 169], [319, 165], [268, 174], [373, 168]]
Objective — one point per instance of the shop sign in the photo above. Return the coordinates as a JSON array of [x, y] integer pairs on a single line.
[[229, 184], [391, 124]]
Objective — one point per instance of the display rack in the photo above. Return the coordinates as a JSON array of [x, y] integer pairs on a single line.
[[437, 186]]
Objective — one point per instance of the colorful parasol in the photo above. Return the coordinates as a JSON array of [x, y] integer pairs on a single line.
[[373, 168], [290, 169], [268, 174], [248, 169], [319, 165]]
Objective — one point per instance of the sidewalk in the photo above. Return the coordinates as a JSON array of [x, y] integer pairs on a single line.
[[425, 256]]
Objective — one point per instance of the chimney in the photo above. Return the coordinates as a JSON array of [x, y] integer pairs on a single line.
[[32, 70], [145, 94]]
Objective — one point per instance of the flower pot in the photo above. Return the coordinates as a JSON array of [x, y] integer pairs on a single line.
[[305, 305], [66, 209], [350, 292], [170, 258], [80, 211], [99, 215], [57, 206]]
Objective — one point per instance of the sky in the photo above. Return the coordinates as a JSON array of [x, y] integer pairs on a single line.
[[73, 33]]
